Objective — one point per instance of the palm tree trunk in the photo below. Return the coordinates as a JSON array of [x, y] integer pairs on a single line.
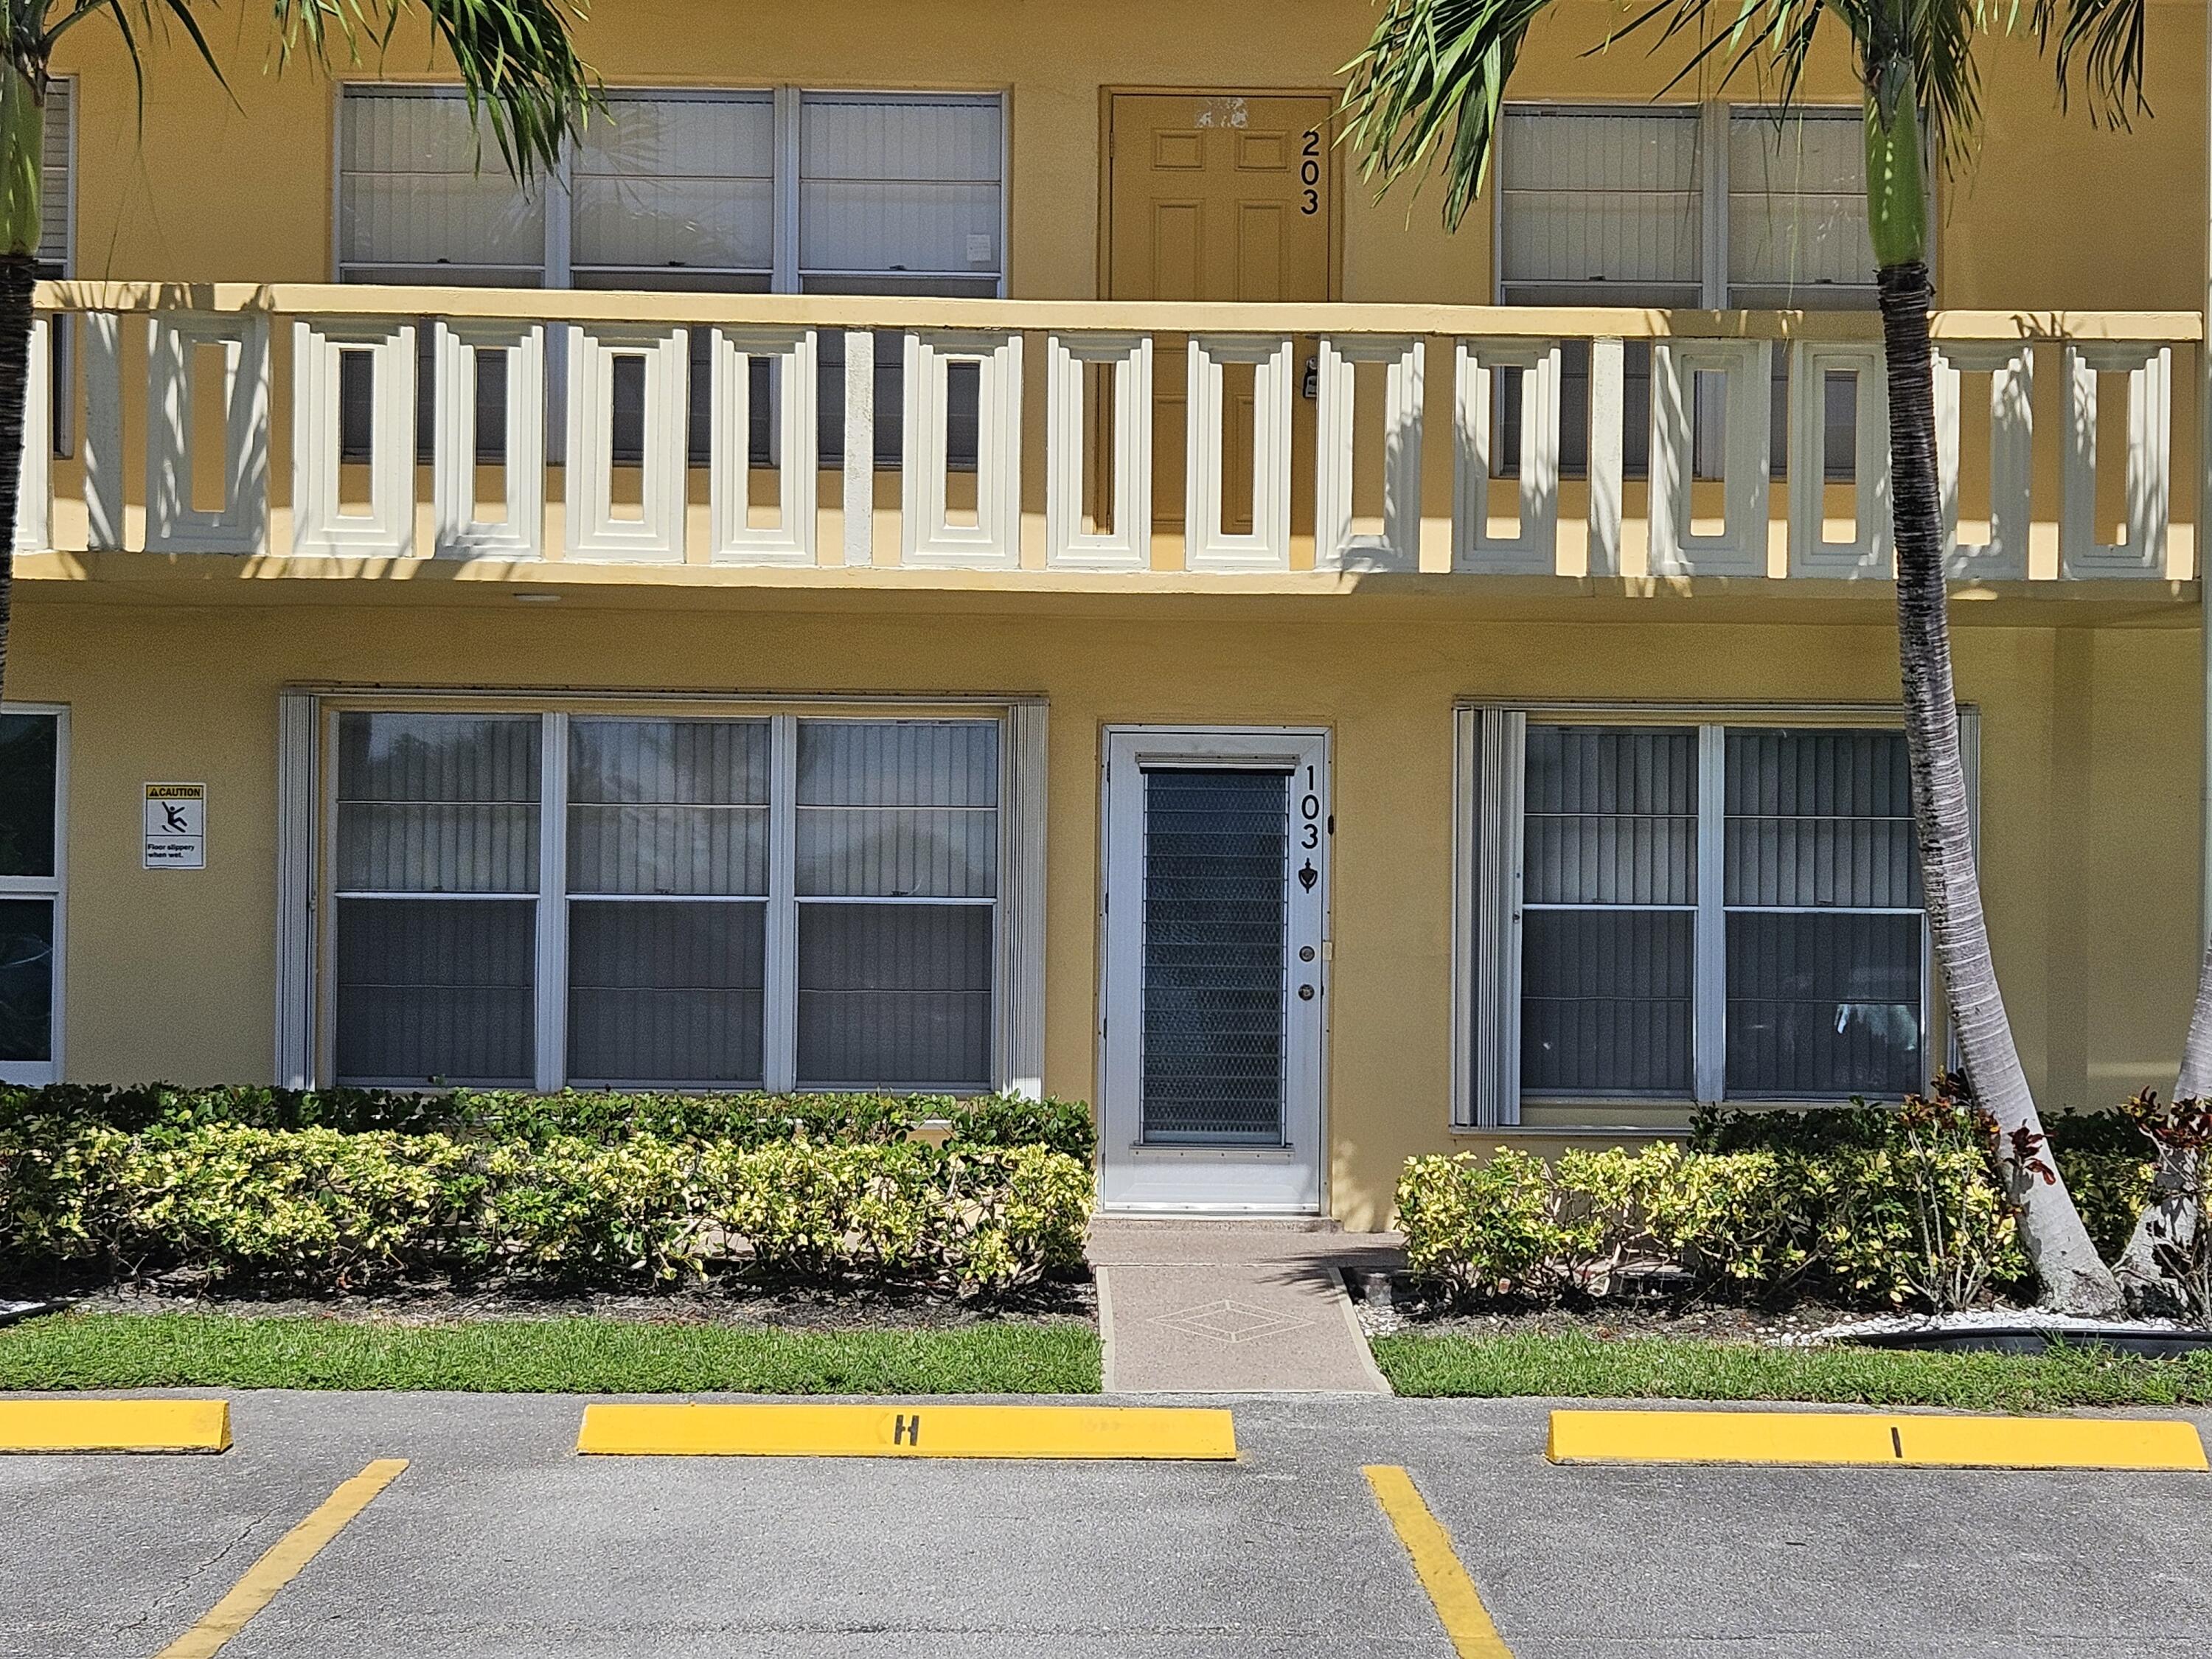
[[19, 274], [2170, 1214], [2074, 1279]]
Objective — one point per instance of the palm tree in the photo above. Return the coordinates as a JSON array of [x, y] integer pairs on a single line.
[[515, 58], [1424, 96]]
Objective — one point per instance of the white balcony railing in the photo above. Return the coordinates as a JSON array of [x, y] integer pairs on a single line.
[[388, 425]]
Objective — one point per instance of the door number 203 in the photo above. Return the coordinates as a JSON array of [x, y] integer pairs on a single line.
[[1309, 174]]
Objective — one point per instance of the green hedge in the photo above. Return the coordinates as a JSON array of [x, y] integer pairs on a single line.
[[352, 1189], [744, 1120], [2105, 1159], [1868, 1207], [321, 1210], [1761, 1225]]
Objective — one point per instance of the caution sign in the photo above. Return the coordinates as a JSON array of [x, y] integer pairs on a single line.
[[176, 826]]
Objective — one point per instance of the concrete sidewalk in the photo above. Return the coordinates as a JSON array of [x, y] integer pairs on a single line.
[[1234, 1307]]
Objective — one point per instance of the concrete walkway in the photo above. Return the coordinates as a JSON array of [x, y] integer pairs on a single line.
[[1234, 1307]]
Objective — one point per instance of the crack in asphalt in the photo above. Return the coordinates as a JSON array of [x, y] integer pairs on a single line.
[[165, 1601]]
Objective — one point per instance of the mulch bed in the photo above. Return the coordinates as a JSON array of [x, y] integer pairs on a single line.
[[747, 1306]]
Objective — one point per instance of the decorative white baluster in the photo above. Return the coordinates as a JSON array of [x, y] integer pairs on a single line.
[[656, 535], [1740, 548], [1872, 550], [241, 524], [103, 431], [1129, 544], [1209, 546], [1608, 406], [2149, 370], [860, 471], [927, 536], [2010, 365], [1535, 549], [320, 525], [1399, 546], [458, 349], [34, 476], [790, 540]]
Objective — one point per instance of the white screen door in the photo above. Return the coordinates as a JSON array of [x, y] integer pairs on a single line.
[[1215, 920]]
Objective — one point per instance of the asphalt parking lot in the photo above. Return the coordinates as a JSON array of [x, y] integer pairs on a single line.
[[497, 1540]]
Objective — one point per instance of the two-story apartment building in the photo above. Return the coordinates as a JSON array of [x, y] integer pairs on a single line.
[[958, 546]]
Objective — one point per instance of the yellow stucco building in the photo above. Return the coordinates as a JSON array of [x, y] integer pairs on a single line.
[[965, 550]]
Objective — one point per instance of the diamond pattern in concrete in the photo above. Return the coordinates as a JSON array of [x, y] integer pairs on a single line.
[[1231, 1321]]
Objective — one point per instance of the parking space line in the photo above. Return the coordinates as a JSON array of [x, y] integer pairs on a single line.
[[282, 1563], [1869, 1438], [1451, 1592]]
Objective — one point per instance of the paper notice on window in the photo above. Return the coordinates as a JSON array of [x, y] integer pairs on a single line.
[[176, 826]]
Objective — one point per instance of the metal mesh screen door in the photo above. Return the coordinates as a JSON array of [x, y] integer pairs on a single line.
[[1215, 907], [1215, 926]]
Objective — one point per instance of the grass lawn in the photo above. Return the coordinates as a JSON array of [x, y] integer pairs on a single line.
[[1572, 1366], [541, 1356]]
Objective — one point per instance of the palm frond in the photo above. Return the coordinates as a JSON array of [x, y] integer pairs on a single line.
[[2100, 44], [1427, 90], [517, 60]]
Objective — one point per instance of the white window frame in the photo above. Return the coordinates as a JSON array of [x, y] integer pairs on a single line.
[[785, 276], [1489, 748], [55, 887], [1714, 118], [306, 1011]]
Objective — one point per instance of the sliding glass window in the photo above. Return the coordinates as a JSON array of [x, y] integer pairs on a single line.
[[602, 900]]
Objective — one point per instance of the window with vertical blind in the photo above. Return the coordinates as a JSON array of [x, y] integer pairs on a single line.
[[34, 759], [1688, 911], [1688, 206], [740, 191], [780, 901], [58, 193]]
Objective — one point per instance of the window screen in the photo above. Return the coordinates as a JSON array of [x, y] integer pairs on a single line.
[[421, 201], [437, 885], [1824, 916], [668, 883], [899, 193], [881, 942], [30, 895], [1807, 962], [1608, 928], [897, 867]]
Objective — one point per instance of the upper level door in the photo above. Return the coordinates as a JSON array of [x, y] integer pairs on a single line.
[[1221, 198]]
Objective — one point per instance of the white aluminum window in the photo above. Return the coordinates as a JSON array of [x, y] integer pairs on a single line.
[[676, 190], [421, 201], [1695, 911], [34, 787], [779, 900], [779, 191], [1689, 206], [901, 194], [57, 196]]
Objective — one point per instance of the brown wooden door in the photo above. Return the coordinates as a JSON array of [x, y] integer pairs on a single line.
[[1217, 197]]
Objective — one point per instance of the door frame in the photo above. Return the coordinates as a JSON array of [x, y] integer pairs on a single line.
[[1181, 1173], [1103, 282]]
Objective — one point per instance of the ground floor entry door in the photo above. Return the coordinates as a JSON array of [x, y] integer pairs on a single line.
[[1211, 1019]]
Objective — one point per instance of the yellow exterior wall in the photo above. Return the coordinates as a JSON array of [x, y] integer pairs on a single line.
[[192, 198], [2091, 733], [2089, 838]]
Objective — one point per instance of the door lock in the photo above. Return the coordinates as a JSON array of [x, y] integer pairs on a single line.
[[1305, 994]]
